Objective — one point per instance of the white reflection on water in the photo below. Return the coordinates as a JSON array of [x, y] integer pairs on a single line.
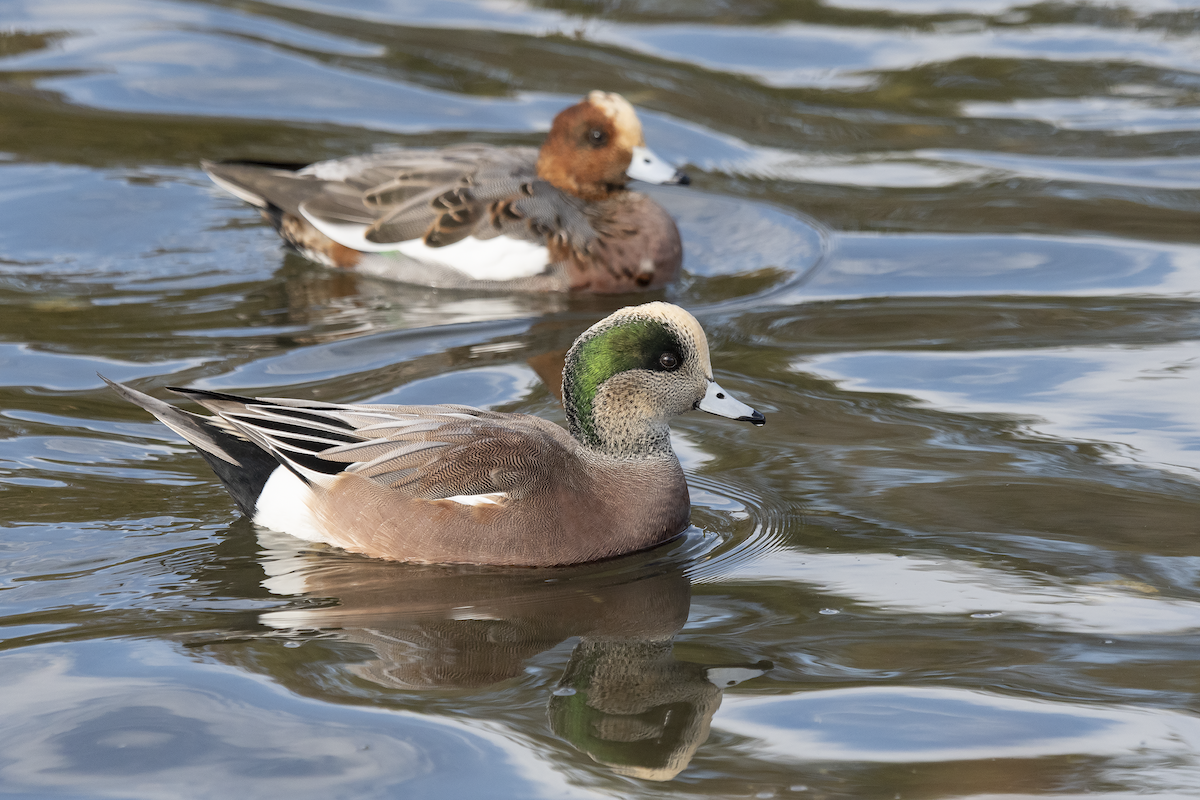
[[798, 54], [184, 73], [195, 60], [945, 586], [484, 387], [364, 354], [931, 6], [1115, 114], [103, 18], [1140, 401], [24, 366], [890, 170], [822, 56], [997, 7], [911, 724], [212, 61], [135, 719], [1159, 173], [872, 265], [494, 15]]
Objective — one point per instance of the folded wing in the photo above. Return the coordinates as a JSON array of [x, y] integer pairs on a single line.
[[426, 452], [437, 197]]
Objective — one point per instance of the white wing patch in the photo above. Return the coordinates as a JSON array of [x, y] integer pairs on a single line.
[[340, 169], [347, 234], [500, 258], [493, 499], [283, 506], [497, 259]]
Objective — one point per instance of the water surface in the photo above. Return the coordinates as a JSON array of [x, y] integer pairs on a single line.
[[950, 248]]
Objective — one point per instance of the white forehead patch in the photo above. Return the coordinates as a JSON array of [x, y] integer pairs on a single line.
[[625, 120]]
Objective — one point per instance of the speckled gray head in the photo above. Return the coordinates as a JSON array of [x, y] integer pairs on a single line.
[[628, 374]]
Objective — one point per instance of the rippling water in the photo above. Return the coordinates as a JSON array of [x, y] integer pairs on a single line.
[[950, 247]]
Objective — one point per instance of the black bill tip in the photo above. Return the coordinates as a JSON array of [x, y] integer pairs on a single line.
[[756, 418]]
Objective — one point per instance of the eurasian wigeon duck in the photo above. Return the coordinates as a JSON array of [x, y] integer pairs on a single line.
[[454, 484], [483, 217]]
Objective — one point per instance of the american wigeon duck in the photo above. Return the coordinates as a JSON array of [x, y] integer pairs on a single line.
[[483, 217], [454, 484]]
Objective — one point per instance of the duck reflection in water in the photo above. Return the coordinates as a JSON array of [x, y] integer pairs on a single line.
[[623, 698]]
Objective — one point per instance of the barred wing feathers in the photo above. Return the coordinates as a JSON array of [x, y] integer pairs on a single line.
[[423, 452]]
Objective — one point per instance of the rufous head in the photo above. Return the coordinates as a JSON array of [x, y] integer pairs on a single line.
[[596, 146]]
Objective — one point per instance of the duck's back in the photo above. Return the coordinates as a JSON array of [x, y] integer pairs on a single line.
[[399, 194], [471, 216]]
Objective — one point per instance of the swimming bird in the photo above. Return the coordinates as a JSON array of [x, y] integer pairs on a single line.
[[455, 484], [484, 217]]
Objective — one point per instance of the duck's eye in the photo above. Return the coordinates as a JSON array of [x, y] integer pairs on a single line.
[[668, 361], [597, 137]]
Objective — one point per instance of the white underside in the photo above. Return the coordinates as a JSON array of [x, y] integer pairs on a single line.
[[497, 259]]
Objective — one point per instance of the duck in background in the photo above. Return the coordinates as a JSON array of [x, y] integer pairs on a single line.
[[484, 217], [454, 484]]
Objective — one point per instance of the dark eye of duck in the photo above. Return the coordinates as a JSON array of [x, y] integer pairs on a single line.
[[668, 361], [597, 137]]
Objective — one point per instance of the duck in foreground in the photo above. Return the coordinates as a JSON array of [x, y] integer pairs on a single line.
[[483, 217], [454, 484]]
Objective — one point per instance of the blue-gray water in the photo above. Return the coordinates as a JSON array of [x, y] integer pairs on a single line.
[[950, 247]]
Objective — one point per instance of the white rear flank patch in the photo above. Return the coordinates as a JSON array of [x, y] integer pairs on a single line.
[[283, 506], [500, 258], [493, 499]]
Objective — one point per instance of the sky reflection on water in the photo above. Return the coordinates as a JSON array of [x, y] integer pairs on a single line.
[[949, 247]]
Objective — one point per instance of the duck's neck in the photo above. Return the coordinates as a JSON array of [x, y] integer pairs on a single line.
[[560, 175], [617, 424], [617, 439]]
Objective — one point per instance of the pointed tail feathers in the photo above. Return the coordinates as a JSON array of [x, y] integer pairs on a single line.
[[267, 186], [242, 465]]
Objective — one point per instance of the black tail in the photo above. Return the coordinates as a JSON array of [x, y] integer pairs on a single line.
[[242, 466], [289, 166]]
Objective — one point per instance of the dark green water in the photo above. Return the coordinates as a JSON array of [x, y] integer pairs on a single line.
[[950, 247]]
